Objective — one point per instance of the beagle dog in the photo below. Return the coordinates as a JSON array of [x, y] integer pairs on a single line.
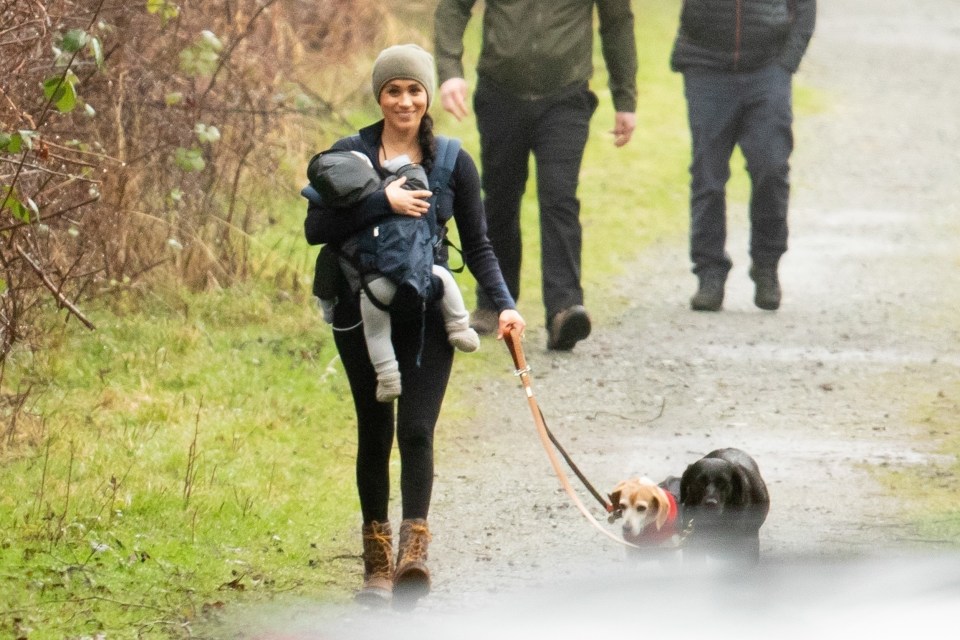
[[649, 510]]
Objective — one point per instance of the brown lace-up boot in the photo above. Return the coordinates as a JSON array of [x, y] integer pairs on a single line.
[[412, 578], [377, 586]]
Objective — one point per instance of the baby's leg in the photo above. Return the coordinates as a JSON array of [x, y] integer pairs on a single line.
[[376, 331], [455, 316]]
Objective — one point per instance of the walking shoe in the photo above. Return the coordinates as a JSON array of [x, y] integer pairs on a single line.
[[377, 589], [484, 321], [709, 295], [567, 328], [411, 581], [768, 294]]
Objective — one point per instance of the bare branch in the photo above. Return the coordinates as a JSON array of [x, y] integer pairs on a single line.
[[37, 269]]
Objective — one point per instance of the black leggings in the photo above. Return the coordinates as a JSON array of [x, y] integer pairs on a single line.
[[417, 411]]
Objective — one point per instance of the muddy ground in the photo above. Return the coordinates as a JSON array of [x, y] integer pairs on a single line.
[[823, 392], [820, 392]]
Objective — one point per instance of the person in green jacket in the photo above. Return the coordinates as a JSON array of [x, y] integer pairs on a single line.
[[533, 96]]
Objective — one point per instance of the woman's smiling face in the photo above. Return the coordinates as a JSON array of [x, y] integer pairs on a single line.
[[404, 103]]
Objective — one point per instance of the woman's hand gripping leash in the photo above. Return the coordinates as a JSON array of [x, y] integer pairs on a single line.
[[513, 340]]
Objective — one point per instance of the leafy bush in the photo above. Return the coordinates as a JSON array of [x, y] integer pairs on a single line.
[[140, 143]]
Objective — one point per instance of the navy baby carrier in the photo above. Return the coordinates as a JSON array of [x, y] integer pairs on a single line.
[[401, 248]]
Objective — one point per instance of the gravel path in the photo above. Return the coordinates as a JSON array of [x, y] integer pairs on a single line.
[[820, 392]]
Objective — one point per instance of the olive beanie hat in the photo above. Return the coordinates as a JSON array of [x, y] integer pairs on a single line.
[[404, 61]]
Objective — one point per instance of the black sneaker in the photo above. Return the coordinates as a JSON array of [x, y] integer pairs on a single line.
[[709, 295], [567, 328], [768, 293]]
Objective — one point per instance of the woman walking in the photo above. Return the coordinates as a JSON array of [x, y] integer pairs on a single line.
[[403, 82]]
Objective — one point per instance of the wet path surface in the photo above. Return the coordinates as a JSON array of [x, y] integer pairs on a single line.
[[822, 392]]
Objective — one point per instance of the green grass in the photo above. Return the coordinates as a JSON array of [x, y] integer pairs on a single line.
[[931, 489], [194, 455]]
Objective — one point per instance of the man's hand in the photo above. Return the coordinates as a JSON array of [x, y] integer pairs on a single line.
[[453, 97], [623, 126]]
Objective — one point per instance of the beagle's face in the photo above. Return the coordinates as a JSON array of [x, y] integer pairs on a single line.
[[642, 502]]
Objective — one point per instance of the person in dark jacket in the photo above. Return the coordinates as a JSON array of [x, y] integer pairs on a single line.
[[403, 83], [533, 96], [335, 178], [737, 58]]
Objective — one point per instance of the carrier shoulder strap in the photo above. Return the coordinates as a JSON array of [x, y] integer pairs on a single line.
[[448, 149], [444, 163]]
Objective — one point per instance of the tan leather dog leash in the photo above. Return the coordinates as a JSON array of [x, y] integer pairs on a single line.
[[513, 341]]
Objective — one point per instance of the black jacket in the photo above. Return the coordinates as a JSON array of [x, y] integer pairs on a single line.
[[743, 35]]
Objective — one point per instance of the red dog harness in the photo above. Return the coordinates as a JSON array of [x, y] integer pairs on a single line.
[[650, 536]]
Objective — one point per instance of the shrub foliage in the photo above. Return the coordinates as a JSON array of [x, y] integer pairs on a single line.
[[140, 143]]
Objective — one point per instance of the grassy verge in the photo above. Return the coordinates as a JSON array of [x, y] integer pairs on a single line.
[[931, 490], [190, 456]]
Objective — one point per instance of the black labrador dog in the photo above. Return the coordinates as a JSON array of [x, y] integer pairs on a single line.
[[724, 502]]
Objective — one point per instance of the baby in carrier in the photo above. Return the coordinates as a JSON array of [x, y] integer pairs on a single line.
[[342, 183]]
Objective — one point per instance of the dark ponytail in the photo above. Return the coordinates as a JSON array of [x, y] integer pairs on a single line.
[[428, 144]]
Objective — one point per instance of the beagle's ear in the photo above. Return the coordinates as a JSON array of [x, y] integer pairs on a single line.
[[663, 507]]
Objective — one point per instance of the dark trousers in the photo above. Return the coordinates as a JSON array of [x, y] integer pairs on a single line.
[[555, 130], [417, 411], [752, 110]]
